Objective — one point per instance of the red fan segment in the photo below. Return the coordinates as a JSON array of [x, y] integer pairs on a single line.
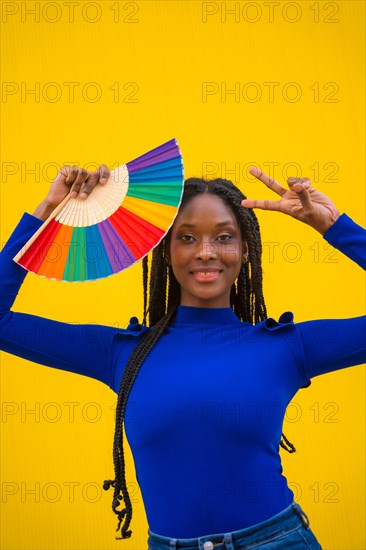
[[145, 234]]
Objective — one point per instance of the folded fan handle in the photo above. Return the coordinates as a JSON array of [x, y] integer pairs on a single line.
[[40, 229]]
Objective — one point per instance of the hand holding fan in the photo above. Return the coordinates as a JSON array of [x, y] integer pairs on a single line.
[[115, 227]]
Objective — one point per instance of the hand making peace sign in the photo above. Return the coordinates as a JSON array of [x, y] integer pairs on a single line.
[[301, 201]]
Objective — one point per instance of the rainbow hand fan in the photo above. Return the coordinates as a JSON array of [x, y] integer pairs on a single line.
[[118, 224]]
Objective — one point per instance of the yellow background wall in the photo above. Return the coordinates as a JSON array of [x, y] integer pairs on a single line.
[[142, 73]]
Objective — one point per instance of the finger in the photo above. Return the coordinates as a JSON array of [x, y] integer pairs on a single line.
[[269, 182], [303, 195], [262, 204], [89, 184], [69, 172], [104, 173], [72, 172], [63, 173], [305, 182], [78, 177]]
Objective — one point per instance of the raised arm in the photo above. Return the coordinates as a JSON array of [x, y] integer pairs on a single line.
[[81, 348], [327, 344]]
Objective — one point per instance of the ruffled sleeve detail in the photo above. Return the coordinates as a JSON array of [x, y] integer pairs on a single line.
[[134, 328], [285, 319], [134, 325]]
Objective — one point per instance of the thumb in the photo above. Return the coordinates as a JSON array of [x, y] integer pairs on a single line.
[[303, 195]]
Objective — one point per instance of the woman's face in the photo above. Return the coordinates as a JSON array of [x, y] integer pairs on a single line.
[[206, 251]]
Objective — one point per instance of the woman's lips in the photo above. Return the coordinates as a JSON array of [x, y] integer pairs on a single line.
[[208, 277]]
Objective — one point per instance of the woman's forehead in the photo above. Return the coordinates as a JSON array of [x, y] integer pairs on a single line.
[[206, 204]]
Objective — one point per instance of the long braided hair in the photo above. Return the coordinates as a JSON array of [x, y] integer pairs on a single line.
[[246, 300]]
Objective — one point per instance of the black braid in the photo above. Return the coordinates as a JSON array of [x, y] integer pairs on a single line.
[[246, 300]]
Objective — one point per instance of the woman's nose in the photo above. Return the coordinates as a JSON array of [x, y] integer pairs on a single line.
[[207, 250]]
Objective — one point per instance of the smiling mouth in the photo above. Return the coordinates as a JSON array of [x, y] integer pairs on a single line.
[[206, 276]]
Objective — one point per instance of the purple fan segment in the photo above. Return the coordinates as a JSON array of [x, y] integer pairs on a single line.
[[167, 151], [119, 254]]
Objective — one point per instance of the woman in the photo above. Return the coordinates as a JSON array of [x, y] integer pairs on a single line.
[[209, 478]]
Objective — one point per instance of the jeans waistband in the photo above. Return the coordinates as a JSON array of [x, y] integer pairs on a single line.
[[289, 519]]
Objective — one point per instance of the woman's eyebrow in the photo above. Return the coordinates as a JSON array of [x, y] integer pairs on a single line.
[[217, 225]]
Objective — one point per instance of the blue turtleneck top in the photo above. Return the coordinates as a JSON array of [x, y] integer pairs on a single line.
[[205, 414]]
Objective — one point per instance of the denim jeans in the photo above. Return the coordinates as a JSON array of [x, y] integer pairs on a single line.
[[287, 530]]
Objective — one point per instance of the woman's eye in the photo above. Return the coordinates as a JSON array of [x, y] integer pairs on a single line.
[[224, 238], [185, 238]]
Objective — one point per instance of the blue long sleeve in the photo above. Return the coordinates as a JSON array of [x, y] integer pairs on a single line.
[[349, 238], [333, 344], [86, 349]]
